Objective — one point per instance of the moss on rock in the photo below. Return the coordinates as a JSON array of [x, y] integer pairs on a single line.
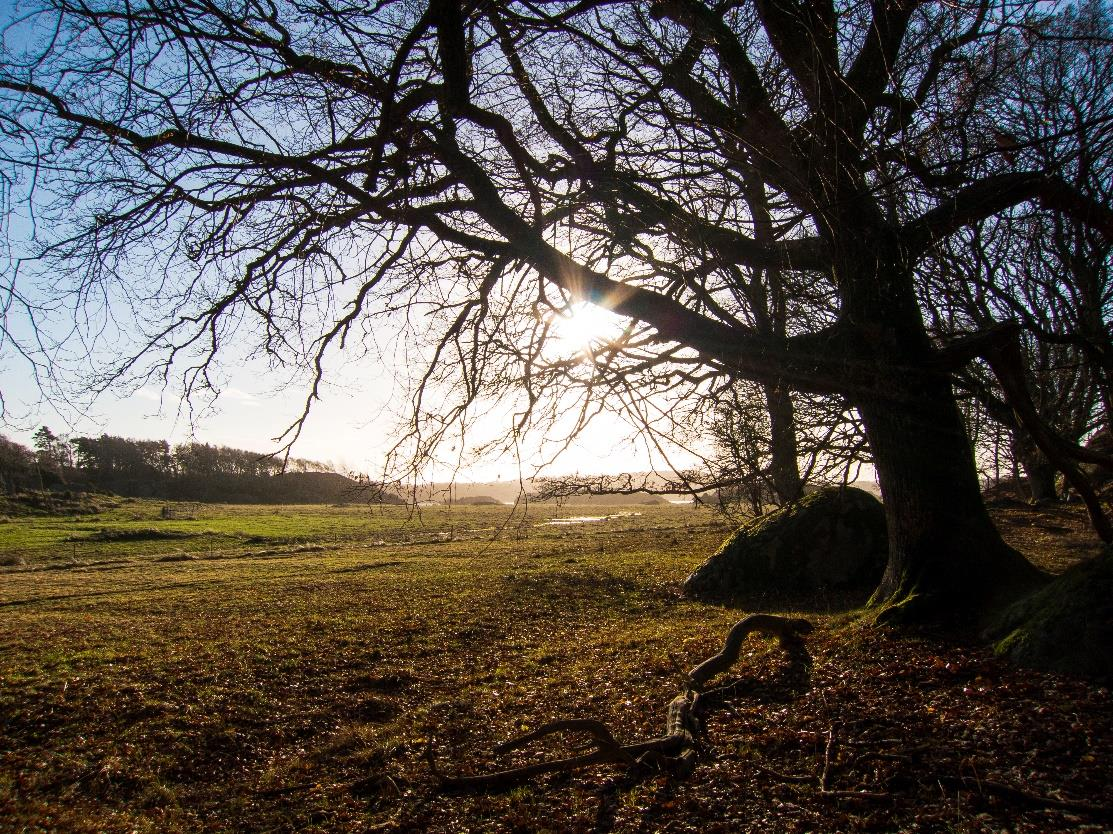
[[832, 539], [1066, 626]]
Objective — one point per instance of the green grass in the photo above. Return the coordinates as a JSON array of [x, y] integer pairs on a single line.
[[142, 694], [135, 528], [286, 669]]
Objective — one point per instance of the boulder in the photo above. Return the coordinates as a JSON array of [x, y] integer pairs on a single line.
[[832, 539], [1066, 626]]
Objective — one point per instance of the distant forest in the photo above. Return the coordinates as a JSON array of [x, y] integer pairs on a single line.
[[183, 472]]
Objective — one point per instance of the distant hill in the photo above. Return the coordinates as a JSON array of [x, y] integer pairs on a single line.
[[478, 500], [507, 492], [185, 472], [220, 488]]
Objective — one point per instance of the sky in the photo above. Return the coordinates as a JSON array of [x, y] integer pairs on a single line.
[[352, 427], [349, 428]]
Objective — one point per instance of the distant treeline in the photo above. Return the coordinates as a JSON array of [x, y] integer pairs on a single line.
[[186, 471]]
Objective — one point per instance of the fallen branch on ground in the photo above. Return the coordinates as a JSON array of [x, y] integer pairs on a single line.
[[676, 749], [1022, 797]]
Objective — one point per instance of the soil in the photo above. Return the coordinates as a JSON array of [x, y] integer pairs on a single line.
[[309, 694]]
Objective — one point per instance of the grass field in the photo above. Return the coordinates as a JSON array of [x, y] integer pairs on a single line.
[[292, 668]]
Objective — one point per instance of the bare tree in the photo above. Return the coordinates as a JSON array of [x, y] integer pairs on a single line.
[[307, 173], [1049, 272], [828, 445]]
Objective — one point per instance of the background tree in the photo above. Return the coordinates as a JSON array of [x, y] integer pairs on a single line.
[[1049, 272], [828, 443], [470, 172], [52, 453], [106, 457], [1060, 378], [17, 463]]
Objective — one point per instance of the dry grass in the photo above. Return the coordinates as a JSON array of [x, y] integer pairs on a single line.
[[293, 683]]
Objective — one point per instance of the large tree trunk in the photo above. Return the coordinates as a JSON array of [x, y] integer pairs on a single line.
[[946, 559], [784, 465]]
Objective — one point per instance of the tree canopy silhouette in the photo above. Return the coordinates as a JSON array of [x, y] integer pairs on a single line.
[[305, 173]]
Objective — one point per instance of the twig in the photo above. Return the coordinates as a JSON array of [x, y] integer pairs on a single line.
[[1023, 797], [784, 777], [828, 759], [864, 796], [890, 757], [850, 742]]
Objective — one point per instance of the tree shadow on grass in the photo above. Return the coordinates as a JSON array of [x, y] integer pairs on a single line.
[[822, 601]]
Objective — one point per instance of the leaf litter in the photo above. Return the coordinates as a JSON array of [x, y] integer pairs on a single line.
[[307, 695]]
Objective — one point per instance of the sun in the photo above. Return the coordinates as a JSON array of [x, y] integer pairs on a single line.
[[585, 325]]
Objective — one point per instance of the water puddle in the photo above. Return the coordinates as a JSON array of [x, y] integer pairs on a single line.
[[584, 519]]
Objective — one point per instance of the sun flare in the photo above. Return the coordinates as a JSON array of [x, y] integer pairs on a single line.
[[585, 325]]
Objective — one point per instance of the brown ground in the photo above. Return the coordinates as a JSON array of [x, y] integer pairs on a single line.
[[302, 692]]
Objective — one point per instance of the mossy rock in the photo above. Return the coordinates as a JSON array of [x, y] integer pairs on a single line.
[[832, 539], [1066, 626]]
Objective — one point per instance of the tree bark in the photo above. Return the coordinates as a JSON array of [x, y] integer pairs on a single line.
[[1040, 474], [784, 464], [946, 559]]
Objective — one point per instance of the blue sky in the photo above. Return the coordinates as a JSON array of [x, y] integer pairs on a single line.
[[349, 427], [345, 429]]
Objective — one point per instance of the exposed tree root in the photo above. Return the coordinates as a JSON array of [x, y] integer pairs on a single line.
[[675, 750], [788, 632], [1017, 796]]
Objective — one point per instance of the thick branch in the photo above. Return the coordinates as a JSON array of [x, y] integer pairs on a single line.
[[803, 33], [994, 194], [872, 71], [750, 119], [733, 247], [960, 351], [809, 363]]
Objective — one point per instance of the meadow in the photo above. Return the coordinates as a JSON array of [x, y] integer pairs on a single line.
[[262, 669]]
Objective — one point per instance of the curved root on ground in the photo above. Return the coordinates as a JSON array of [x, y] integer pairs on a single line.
[[676, 749]]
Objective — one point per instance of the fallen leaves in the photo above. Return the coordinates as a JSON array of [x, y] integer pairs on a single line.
[[283, 695]]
